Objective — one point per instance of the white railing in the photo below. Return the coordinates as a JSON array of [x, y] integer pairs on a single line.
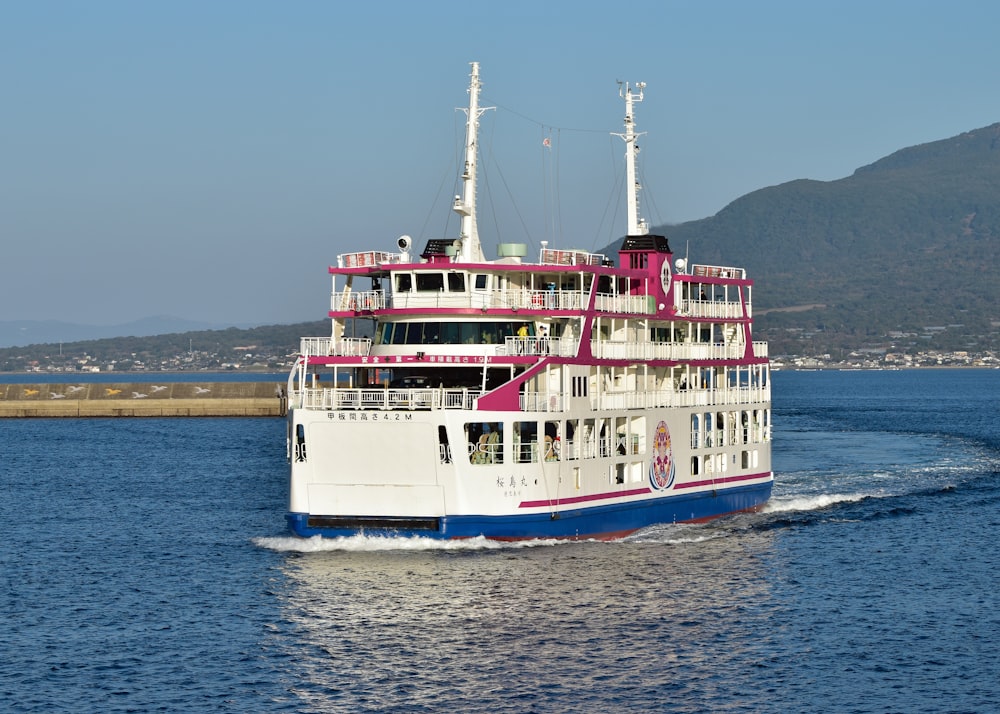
[[515, 346], [542, 402], [557, 402], [760, 349], [717, 309], [605, 349], [360, 301], [329, 347], [499, 300], [384, 399], [630, 304], [688, 398]]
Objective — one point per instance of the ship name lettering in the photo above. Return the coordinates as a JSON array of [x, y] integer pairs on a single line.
[[368, 416]]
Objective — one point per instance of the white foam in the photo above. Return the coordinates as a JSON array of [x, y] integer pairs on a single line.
[[811, 503], [366, 544], [657, 535]]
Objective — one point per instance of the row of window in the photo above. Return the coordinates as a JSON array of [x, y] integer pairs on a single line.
[[595, 438], [719, 463], [450, 333], [454, 282], [573, 439], [729, 428]]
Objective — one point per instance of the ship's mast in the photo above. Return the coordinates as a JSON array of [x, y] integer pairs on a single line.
[[636, 226], [465, 205]]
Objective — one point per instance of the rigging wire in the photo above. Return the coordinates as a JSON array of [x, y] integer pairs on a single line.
[[510, 195], [650, 200], [551, 165]]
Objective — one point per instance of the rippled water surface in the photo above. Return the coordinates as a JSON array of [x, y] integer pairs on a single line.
[[144, 567]]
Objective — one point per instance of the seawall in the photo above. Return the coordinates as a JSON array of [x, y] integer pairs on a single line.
[[127, 399]]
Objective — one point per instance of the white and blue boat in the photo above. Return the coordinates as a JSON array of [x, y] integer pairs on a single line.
[[577, 395]]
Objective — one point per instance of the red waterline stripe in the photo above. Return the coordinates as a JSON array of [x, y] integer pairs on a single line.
[[714, 481], [636, 492], [582, 499]]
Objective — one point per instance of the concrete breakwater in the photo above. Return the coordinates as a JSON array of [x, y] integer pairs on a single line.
[[130, 399]]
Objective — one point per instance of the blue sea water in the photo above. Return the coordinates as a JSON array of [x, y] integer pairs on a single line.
[[144, 567]]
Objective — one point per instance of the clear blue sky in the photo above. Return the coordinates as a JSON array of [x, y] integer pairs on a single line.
[[208, 160]]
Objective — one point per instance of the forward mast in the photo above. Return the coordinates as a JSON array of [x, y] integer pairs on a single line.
[[471, 250]]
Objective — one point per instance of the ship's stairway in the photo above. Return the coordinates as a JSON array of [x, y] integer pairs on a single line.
[[345, 295]]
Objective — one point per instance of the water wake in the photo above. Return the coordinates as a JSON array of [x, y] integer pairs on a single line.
[[371, 544], [812, 503]]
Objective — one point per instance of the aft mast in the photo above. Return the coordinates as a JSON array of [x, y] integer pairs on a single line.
[[636, 226], [465, 205]]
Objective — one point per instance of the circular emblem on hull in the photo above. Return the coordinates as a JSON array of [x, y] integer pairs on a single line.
[[665, 277], [661, 466]]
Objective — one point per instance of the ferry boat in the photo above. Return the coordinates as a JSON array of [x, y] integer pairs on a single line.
[[572, 396]]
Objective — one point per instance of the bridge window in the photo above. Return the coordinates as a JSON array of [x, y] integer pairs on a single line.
[[430, 282], [456, 282]]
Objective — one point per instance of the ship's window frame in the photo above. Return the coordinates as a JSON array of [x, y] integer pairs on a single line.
[[399, 333], [456, 282], [415, 334], [484, 442], [430, 282], [551, 442], [404, 283], [482, 281], [589, 438], [525, 442], [637, 435], [572, 446]]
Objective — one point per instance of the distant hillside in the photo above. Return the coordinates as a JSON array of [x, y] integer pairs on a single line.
[[269, 347], [902, 255], [907, 243], [17, 333]]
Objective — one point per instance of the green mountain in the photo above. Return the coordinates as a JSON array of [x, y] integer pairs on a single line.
[[882, 259]]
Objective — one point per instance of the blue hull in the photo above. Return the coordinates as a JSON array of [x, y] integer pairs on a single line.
[[602, 522]]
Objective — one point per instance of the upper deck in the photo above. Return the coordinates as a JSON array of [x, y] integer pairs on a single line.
[[562, 281]]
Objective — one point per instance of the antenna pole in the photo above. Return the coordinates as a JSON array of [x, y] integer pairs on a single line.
[[636, 226]]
